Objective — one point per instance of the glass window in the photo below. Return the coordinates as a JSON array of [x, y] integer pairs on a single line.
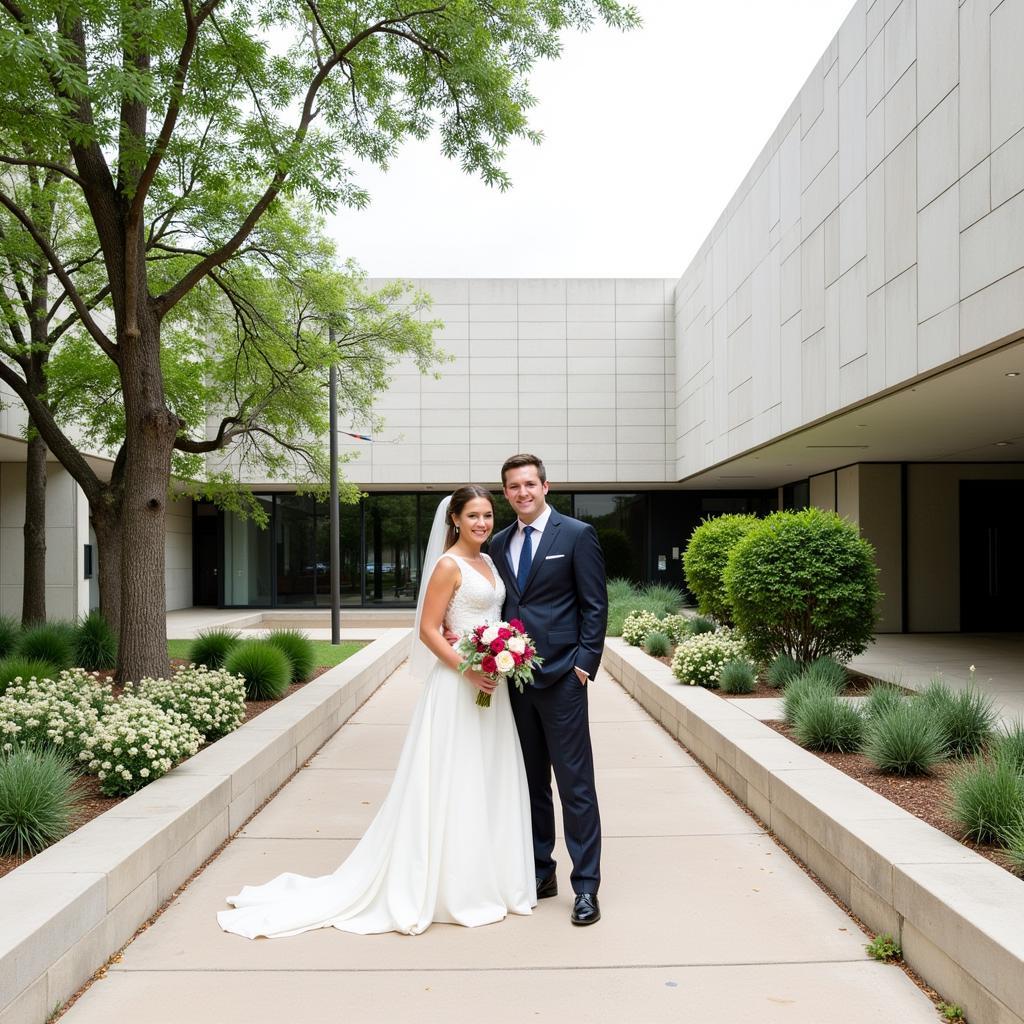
[[297, 555], [392, 558], [248, 567], [621, 524]]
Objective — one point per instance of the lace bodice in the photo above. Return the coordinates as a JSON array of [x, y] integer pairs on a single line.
[[474, 600]]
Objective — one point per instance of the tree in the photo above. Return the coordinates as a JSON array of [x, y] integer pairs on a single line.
[[187, 123], [803, 584]]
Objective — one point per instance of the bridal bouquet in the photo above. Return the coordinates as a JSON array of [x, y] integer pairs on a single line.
[[500, 650]]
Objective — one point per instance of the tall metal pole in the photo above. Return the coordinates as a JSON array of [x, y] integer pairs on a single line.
[[335, 524]]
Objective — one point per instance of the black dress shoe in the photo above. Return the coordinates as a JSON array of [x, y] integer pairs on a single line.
[[547, 887], [586, 909]]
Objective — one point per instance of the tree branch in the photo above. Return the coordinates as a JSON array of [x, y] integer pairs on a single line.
[[59, 168]]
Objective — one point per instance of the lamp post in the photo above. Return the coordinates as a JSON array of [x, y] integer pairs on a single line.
[[335, 524]]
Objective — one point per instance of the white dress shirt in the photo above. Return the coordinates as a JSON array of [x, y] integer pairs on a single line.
[[515, 545]]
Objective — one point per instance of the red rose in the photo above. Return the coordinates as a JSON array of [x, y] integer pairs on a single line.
[[528, 653], [517, 658], [489, 665], [517, 625], [504, 634], [479, 630], [481, 648], [497, 646]]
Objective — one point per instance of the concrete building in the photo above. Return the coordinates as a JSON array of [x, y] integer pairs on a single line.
[[849, 335]]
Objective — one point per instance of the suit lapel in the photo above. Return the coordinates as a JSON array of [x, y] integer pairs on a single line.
[[547, 538]]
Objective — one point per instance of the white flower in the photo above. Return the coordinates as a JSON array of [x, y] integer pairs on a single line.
[[505, 662], [517, 645], [490, 633]]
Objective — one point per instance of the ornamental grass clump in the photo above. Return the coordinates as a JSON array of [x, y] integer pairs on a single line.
[[211, 700], [657, 644], [798, 690], [967, 717], [299, 650], [15, 667], [824, 721], [698, 660], [668, 599], [137, 742], [95, 643], [212, 647], [738, 675], [10, 633], [700, 624], [781, 669], [828, 670], [987, 799], [621, 609], [1012, 840], [880, 700], [1008, 746], [638, 625], [264, 667], [37, 800], [620, 589], [906, 740], [49, 641]]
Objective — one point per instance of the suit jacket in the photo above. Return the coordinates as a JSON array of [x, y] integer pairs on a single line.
[[564, 603]]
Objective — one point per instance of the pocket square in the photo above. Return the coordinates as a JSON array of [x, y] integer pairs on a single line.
[[549, 557]]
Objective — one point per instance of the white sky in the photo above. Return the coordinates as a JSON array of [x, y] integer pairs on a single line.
[[647, 136]]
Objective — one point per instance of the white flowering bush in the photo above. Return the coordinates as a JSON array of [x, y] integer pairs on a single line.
[[136, 742], [699, 659], [637, 625], [675, 628], [61, 713], [212, 701]]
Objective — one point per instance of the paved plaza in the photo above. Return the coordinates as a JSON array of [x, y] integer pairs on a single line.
[[705, 918]]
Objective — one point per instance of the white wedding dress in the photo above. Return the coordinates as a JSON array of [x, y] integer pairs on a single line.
[[452, 841]]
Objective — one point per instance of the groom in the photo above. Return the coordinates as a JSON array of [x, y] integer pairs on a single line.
[[554, 576]]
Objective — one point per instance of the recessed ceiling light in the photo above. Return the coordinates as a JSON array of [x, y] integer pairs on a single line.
[[1003, 444], [861, 424], [1013, 373]]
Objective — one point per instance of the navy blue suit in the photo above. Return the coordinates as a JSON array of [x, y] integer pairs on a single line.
[[564, 606]]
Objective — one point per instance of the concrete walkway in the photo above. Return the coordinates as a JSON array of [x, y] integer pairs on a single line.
[[705, 918]]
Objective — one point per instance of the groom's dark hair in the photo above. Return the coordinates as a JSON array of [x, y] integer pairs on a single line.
[[523, 459]]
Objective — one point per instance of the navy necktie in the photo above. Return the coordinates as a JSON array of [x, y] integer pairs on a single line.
[[525, 558]]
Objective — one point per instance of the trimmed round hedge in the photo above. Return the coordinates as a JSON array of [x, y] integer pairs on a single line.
[[265, 668], [49, 641], [299, 650], [805, 584], [705, 559]]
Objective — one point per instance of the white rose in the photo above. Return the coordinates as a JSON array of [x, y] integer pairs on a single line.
[[490, 633], [517, 645], [505, 662]]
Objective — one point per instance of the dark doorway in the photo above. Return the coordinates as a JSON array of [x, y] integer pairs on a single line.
[[991, 555], [206, 532]]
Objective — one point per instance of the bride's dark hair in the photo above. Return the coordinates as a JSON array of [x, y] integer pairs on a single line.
[[459, 500]]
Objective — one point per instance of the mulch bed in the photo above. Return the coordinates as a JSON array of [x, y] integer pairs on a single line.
[[87, 788], [924, 796]]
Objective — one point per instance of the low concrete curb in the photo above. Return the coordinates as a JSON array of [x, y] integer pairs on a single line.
[[958, 917], [64, 912]]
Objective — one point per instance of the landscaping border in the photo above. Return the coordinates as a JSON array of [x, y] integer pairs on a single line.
[[956, 915], [65, 911]]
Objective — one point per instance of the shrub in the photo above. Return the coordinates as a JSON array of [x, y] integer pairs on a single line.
[[299, 650], [264, 667], [57, 713], [49, 641], [738, 675], [967, 717], [95, 643], [881, 699], [828, 670], [211, 700], [804, 583], [620, 589], [668, 599], [698, 660], [824, 721], [987, 800], [137, 742], [24, 668], [36, 800], [657, 644], [212, 647], [781, 669], [884, 947], [905, 740], [798, 690], [705, 558], [637, 625], [1009, 746], [10, 634], [676, 628]]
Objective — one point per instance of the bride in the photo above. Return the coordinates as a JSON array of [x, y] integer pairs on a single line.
[[452, 840]]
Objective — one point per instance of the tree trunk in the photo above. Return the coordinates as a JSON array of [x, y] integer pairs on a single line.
[[150, 429], [106, 525], [33, 590]]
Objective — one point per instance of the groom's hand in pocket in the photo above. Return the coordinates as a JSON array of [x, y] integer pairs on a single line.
[[581, 675]]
